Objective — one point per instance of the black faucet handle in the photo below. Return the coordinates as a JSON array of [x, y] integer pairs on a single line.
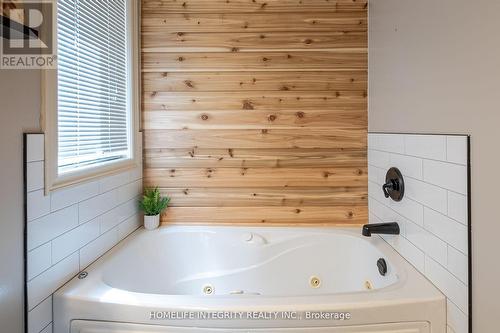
[[394, 186], [387, 187]]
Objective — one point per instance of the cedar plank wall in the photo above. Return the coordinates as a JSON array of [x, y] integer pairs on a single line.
[[255, 111]]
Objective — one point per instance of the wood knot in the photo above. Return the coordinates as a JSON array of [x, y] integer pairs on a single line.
[[186, 192], [308, 41], [300, 114], [272, 117], [326, 174], [264, 131], [262, 36], [297, 211], [234, 49], [154, 93], [204, 117], [284, 88], [265, 59], [230, 152], [189, 83], [359, 172], [180, 34], [350, 215], [180, 59], [247, 105]]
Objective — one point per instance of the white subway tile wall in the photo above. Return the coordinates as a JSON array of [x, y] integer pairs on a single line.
[[70, 228], [433, 216]]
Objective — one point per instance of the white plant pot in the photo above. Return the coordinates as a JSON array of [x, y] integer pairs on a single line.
[[151, 222]]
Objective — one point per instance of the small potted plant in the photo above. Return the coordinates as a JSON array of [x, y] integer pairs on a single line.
[[153, 204]]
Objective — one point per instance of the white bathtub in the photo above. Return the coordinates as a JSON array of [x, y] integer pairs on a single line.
[[230, 279]]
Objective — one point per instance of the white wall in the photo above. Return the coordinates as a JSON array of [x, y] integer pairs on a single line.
[[435, 68], [71, 227], [19, 112], [433, 215]]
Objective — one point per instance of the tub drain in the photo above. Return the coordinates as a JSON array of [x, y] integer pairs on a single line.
[[208, 290], [315, 282]]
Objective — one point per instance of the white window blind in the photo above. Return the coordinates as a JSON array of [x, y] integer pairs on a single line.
[[93, 111]]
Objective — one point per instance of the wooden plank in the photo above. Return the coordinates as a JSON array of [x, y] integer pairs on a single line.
[[263, 196], [259, 22], [249, 101], [252, 61], [255, 119], [274, 138], [252, 158], [257, 81], [256, 177], [229, 42], [225, 6], [341, 215]]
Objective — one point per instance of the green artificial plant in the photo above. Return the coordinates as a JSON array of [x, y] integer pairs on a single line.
[[152, 203]]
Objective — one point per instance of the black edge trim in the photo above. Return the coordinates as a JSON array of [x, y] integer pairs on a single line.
[[469, 226]]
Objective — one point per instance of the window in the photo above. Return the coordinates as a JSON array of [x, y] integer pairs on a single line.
[[91, 116]]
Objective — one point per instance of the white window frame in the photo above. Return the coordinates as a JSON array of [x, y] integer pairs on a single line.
[[54, 180]]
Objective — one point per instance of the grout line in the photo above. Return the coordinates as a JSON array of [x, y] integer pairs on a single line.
[[416, 156], [412, 199], [423, 227], [48, 323]]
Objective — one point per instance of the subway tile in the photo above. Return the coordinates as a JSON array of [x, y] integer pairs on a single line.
[[73, 240], [457, 151], [39, 260], [129, 225], [372, 218], [427, 242], [408, 165], [49, 281], [409, 209], [458, 264], [450, 176], [50, 226], [38, 205], [379, 159], [34, 176], [47, 329], [90, 252], [449, 285], [386, 142], [376, 174], [113, 181], [129, 191], [407, 250], [35, 147], [427, 194], [93, 207], [71, 195], [117, 215], [426, 146], [458, 207], [456, 319], [40, 316], [447, 229]]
